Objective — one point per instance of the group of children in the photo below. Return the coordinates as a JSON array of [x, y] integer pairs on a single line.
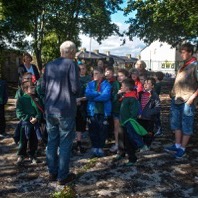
[[128, 100]]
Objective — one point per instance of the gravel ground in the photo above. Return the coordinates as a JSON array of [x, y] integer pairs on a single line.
[[156, 174]]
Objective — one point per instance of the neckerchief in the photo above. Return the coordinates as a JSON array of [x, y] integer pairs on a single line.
[[130, 94], [98, 83], [192, 60], [111, 80]]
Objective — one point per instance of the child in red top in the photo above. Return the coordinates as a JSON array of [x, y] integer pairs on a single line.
[[134, 75]]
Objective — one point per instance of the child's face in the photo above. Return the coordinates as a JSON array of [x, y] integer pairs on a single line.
[[27, 78], [83, 70], [124, 88], [134, 77], [121, 77], [142, 79], [148, 86], [27, 59], [31, 90], [97, 75], [139, 66], [185, 55], [108, 74]]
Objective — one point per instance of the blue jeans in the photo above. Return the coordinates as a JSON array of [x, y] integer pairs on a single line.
[[182, 117], [61, 134]]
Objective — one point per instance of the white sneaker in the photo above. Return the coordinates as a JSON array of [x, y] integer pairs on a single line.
[[144, 148], [20, 160], [114, 148]]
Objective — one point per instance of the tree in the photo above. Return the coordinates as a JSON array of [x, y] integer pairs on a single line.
[[56, 19], [164, 20]]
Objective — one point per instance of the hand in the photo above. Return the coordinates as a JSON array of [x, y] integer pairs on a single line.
[[33, 120], [189, 102], [120, 91], [192, 97], [139, 116]]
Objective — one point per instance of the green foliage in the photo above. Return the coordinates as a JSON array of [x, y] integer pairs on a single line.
[[58, 20], [67, 192], [164, 20]]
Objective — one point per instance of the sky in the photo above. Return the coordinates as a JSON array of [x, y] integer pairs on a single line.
[[113, 42]]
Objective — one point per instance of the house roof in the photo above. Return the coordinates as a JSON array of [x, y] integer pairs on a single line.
[[88, 55]]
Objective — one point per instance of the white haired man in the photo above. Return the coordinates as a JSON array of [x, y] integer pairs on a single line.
[[61, 85]]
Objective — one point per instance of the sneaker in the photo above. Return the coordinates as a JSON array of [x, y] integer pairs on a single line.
[[20, 160], [171, 148], [158, 133], [118, 157], [144, 148], [100, 153], [33, 160], [180, 153], [114, 148], [70, 178], [94, 151]]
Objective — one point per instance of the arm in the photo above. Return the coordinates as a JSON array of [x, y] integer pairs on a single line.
[[90, 91], [134, 109], [73, 77], [192, 98], [105, 94]]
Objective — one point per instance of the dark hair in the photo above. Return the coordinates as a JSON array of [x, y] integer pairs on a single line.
[[159, 75], [187, 47], [129, 83], [99, 69], [26, 54], [25, 85], [152, 80], [123, 71], [109, 69], [133, 71]]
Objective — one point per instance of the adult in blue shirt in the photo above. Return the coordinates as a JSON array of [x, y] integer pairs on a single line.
[[61, 85]]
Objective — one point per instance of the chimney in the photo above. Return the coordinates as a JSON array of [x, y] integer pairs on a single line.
[[96, 51], [83, 49], [108, 53], [128, 56]]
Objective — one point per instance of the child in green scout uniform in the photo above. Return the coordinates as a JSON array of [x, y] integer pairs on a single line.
[[81, 114], [133, 132], [26, 77], [116, 85], [3, 101], [29, 112]]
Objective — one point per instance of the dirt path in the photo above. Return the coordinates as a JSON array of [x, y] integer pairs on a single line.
[[156, 173]]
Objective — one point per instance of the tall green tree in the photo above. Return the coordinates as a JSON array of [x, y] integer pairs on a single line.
[[171, 21], [58, 20]]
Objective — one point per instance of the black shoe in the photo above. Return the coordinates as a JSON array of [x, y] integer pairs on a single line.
[[70, 178], [82, 149], [52, 177]]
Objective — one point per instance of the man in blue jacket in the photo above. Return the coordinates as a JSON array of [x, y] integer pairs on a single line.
[[98, 94], [61, 85]]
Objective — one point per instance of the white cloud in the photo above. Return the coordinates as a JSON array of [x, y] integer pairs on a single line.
[[113, 44]]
